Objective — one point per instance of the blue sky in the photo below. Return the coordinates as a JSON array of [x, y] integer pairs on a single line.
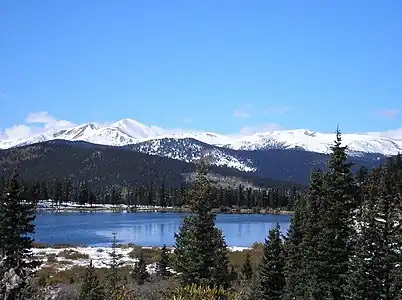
[[211, 65]]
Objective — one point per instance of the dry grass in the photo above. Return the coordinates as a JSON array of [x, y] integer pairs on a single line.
[[51, 258], [72, 254], [237, 258], [151, 255], [54, 246]]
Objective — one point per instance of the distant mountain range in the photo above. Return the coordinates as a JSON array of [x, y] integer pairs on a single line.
[[278, 154], [129, 131]]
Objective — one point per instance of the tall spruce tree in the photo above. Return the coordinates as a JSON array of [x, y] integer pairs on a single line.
[[335, 242], [140, 273], [294, 269], [247, 269], [17, 217], [113, 277], [326, 245], [271, 280], [91, 288], [302, 258], [375, 271], [201, 255], [163, 263]]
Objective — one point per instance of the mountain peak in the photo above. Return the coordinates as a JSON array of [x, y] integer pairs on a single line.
[[135, 129], [129, 131]]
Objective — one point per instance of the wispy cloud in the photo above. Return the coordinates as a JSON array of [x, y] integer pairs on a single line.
[[47, 121], [35, 123], [20, 131], [389, 113], [248, 130], [241, 113], [277, 110]]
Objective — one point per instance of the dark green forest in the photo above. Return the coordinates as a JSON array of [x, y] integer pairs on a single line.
[[61, 192]]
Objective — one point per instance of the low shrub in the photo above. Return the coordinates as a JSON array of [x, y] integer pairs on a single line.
[[73, 254], [199, 293], [51, 258], [151, 255]]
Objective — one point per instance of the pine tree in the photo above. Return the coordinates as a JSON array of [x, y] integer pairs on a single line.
[[163, 263], [17, 217], [201, 255], [271, 279], [361, 175], [326, 245], [113, 276], [140, 273], [162, 195], [294, 268], [90, 288], [247, 269], [334, 246], [375, 271], [302, 259], [83, 196], [233, 275]]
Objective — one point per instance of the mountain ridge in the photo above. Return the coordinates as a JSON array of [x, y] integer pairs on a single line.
[[129, 131]]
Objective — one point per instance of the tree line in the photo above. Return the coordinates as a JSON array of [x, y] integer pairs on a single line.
[[344, 242], [153, 194]]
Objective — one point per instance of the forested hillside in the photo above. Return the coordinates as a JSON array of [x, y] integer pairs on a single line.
[[90, 174], [104, 165]]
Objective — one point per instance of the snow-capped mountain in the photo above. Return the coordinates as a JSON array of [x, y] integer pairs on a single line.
[[189, 145]]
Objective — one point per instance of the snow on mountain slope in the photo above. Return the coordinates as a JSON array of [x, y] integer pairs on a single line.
[[189, 150], [317, 142], [129, 131], [123, 132]]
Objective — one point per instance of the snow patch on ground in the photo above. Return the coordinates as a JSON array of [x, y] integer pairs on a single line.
[[100, 256]]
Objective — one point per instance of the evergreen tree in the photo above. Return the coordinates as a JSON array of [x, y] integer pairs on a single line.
[[322, 260], [201, 255], [113, 276], [90, 288], [247, 269], [233, 275], [334, 246], [162, 195], [163, 263], [294, 268], [83, 196], [375, 271], [271, 279], [361, 175], [140, 273], [57, 193], [17, 217]]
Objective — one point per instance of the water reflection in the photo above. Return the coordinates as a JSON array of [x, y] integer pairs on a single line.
[[148, 229]]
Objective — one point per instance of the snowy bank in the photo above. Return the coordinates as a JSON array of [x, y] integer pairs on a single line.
[[68, 257]]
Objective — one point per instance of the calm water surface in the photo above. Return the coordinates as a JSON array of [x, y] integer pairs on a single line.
[[146, 229]]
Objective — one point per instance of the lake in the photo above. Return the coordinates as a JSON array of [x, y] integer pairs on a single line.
[[146, 228]]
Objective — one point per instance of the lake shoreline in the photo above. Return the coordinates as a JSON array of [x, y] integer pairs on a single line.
[[38, 245], [48, 206]]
